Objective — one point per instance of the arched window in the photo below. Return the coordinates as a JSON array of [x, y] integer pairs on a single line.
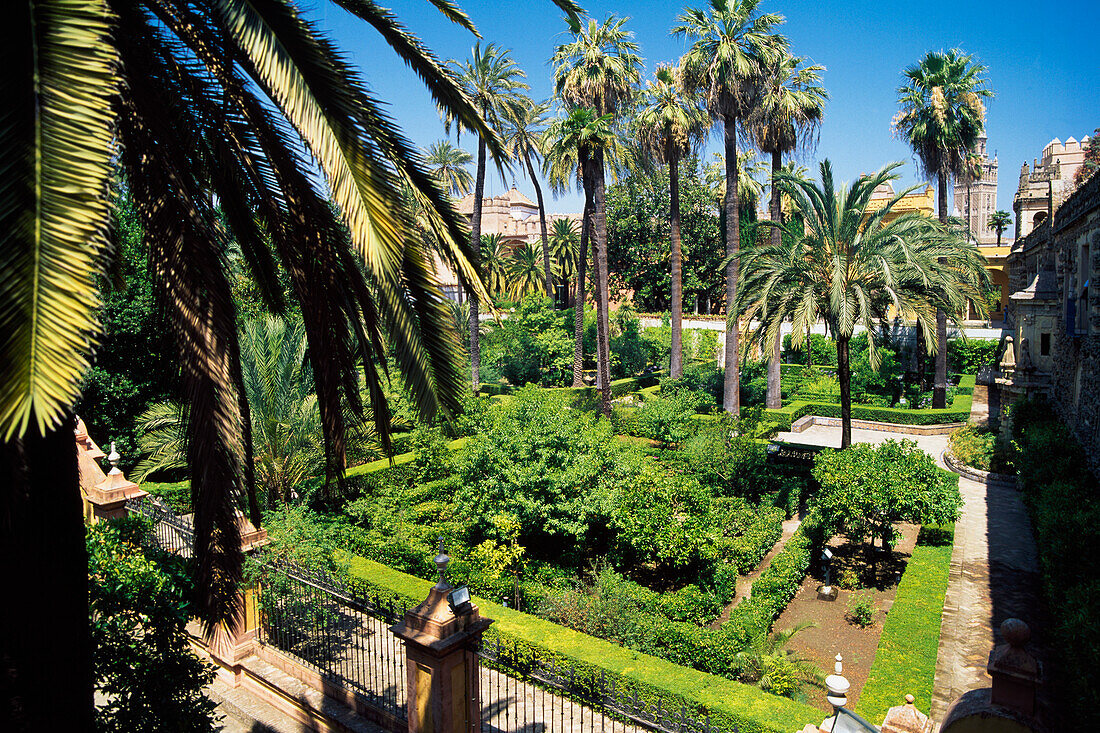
[[1040, 217]]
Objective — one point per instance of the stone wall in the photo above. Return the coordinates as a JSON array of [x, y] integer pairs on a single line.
[[1070, 246]]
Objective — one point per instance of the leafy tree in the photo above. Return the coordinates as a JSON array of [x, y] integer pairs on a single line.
[[448, 163], [598, 69], [866, 490], [523, 133], [910, 263], [941, 118], [792, 104], [492, 80], [637, 249], [670, 124], [731, 47], [532, 345], [999, 221], [142, 662]]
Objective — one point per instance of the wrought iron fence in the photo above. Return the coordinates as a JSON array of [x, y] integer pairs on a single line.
[[316, 619], [521, 693], [170, 532]]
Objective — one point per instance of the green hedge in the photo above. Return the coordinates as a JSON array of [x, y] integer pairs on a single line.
[[727, 703], [958, 412], [905, 662]]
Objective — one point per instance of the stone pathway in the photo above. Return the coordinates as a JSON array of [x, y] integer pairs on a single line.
[[744, 582]]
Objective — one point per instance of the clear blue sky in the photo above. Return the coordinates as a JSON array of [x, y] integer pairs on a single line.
[[1044, 65]]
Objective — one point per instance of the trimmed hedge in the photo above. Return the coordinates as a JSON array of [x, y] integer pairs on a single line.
[[958, 412], [727, 703], [383, 464], [905, 662]]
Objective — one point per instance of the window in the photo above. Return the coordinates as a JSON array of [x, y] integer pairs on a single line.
[[1044, 344]]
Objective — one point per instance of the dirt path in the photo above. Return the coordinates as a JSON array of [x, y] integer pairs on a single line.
[[744, 583]]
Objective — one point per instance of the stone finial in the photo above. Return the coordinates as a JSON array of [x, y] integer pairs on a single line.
[[1008, 359], [441, 561], [906, 719], [837, 685], [1016, 673]]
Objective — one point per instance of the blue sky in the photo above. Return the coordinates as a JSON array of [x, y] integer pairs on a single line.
[[1044, 65]]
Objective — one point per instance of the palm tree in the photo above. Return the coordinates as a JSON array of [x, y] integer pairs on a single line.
[[563, 248], [525, 271], [768, 662], [999, 221], [448, 164], [492, 80], [941, 118], [598, 69], [670, 124], [205, 110], [792, 104], [732, 47], [494, 264], [523, 132], [845, 264]]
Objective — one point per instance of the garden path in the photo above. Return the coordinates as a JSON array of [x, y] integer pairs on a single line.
[[744, 583]]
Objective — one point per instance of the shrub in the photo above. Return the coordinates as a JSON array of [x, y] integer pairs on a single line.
[[981, 448], [668, 420], [967, 356], [861, 609], [822, 350]]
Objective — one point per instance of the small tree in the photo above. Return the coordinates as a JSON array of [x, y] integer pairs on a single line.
[[866, 490], [998, 222]]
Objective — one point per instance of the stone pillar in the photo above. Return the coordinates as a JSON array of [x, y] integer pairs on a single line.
[[1016, 673], [107, 498], [441, 638], [232, 643], [906, 719]]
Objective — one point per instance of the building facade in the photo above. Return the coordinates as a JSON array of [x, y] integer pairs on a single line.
[[1047, 183], [1055, 313], [976, 197]]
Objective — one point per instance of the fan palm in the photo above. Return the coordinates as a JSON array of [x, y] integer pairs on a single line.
[[207, 109], [670, 124], [732, 46], [998, 222], [598, 69], [845, 264], [493, 81], [941, 118], [448, 164], [768, 662], [523, 132], [792, 104]]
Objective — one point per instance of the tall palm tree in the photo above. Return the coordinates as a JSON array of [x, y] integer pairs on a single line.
[[845, 264], [493, 81], [792, 104], [448, 164], [598, 69], [999, 221], [194, 103], [670, 123], [732, 46], [941, 118], [523, 130]]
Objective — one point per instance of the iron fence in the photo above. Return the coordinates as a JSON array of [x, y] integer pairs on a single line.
[[317, 620], [524, 693], [170, 532]]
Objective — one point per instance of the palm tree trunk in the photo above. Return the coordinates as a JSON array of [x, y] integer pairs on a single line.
[[676, 359], [578, 304], [542, 223], [731, 385], [774, 399], [939, 386], [599, 244], [475, 250], [844, 372], [45, 649]]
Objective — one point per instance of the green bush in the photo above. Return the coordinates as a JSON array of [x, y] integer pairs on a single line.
[[668, 420], [727, 703], [822, 350], [981, 448], [176, 495], [966, 355], [1060, 493], [861, 609]]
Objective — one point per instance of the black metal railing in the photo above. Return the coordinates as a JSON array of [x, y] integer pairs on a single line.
[[170, 532], [316, 619], [520, 692]]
